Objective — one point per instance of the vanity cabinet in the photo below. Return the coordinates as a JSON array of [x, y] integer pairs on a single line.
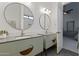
[[50, 40], [14, 48]]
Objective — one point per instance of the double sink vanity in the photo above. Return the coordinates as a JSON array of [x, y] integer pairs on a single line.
[[14, 45], [20, 17]]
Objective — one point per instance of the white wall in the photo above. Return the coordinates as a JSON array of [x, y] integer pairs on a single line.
[[35, 8]]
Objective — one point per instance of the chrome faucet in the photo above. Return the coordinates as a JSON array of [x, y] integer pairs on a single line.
[[22, 33]]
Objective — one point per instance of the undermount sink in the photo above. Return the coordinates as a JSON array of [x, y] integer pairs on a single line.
[[45, 34], [27, 36], [24, 36]]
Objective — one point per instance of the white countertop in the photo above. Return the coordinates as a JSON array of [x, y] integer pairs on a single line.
[[9, 39]]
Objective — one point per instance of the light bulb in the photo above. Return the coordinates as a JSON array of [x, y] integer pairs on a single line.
[[26, 17], [31, 18], [45, 10]]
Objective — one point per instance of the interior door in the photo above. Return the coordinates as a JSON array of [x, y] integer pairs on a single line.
[[59, 27], [70, 22]]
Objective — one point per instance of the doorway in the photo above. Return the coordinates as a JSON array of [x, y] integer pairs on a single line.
[[70, 26]]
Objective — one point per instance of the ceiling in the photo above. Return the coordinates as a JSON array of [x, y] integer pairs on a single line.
[[64, 3]]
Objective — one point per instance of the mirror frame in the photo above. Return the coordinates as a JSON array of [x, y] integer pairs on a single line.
[[19, 4], [40, 21]]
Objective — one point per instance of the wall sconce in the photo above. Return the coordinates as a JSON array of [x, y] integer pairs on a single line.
[[67, 11], [45, 10]]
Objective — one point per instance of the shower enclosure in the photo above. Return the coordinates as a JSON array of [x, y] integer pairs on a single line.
[[70, 30]]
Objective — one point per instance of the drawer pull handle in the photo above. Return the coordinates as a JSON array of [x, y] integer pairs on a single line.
[[58, 32], [26, 51], [53, 40]]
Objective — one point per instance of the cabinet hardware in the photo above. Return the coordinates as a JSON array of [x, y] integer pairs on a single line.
[[27, 51]]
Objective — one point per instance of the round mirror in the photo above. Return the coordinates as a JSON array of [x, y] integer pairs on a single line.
[[18, 16], [44, 21]]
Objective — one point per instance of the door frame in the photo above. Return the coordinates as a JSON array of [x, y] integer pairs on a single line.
[[59, 27]]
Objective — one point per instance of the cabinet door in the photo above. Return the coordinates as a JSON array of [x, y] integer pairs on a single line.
[[50, 40], [14, 48]]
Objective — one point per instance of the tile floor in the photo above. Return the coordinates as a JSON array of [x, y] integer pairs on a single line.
[[70, 44], [52, 52]]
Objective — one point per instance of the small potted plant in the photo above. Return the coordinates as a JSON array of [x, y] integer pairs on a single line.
[[3, 34]]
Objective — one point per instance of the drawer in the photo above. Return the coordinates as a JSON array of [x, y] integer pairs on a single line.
[[50, 40], [50, 43], [49, 37], [14, 48]]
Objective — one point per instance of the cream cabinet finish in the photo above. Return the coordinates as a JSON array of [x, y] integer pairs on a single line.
[[13, 48], [49, 40]]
